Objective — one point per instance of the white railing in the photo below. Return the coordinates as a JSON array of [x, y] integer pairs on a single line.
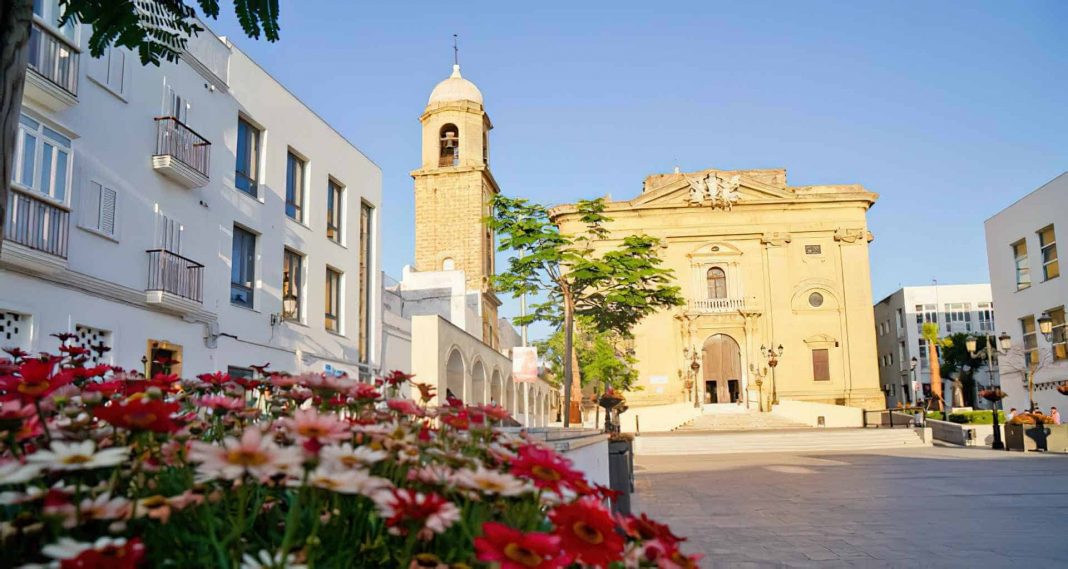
[[717, 304]]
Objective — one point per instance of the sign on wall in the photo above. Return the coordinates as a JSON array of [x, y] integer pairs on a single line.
[[525, 364]]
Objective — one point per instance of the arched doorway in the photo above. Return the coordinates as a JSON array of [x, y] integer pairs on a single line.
[[478, 384], [722, 370], [495, 389], [454, 377]]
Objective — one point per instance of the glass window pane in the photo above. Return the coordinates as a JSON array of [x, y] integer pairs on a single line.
[[29, 156], [44, 179], [60, 192]]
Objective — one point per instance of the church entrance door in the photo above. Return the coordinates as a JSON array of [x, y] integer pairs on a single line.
[[722, 369]]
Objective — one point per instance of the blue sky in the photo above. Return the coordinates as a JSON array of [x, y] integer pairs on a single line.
[[949, 110]]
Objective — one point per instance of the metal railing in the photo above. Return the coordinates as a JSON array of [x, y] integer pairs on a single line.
[[174, 138], [717, 304], [172, 273], [905, 417], [37, 224], [53, 58]]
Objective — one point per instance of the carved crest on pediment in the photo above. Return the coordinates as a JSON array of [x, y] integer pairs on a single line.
[[712, 190]]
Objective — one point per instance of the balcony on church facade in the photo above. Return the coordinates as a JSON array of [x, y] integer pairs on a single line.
[[719, 305]]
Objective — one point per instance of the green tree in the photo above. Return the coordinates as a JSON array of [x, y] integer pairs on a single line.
[[957, 359], [612, 290], [156, 29], [603, 357]]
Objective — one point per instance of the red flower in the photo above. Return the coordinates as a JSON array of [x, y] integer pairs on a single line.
[[126, 556], [74, 350], [429, 511], [587, 532], [365, 392], [545, 468], [95, 371], [404, 407], [667, 555], [645, 529], [513, 549], [17, 353], [495, 413], [397, 377], [36, 380], [166, 382], [215, 379], [105, 388], [459, 421], [140, 415]]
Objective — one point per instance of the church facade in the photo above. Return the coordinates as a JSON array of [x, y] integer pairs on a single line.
[[777, 286]]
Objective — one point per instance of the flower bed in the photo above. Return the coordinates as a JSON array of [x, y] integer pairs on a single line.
[[104, 468]]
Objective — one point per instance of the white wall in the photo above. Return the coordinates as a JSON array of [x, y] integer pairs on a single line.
[[1042, 207], [103, 282], [834, 416]]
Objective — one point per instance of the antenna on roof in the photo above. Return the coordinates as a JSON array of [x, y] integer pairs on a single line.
[[455, 50]]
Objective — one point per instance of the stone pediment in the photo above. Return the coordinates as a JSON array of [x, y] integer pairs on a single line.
[[713, 189]]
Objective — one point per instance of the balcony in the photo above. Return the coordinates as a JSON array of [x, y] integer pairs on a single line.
[[35, 235], [718, 305], [181, 154], [175, 283], [52, 75]]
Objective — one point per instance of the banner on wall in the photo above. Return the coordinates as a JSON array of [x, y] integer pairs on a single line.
[[524, 364]]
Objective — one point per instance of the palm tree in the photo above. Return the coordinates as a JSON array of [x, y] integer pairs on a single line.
[[929, 332]]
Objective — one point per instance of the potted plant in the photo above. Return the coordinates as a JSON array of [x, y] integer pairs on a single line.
[[994, 395]]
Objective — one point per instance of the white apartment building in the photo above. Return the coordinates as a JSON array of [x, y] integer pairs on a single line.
[[195, 213], [899, 319], [1021, 248]]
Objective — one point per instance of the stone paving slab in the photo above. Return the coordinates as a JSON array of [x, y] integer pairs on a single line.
[[917, 507]]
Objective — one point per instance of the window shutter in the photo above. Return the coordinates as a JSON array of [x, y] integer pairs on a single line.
[[107, 210], [91, 215]]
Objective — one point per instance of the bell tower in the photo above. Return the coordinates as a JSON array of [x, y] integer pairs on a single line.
[[454, 190]]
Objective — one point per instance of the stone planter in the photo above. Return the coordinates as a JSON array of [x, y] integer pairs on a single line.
[[1051, 438]]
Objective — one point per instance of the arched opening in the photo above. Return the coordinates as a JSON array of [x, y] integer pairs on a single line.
[[478, 384], [545, 410], [448, 264], [717, 283], [521, 398], [509, 395], [485, 148], [722, 370], [454, 377], [496, 385], [450, 146]]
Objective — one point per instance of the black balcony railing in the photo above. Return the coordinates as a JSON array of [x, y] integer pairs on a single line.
[[174, 138], [37, 224], [174, 274], [52, 57]]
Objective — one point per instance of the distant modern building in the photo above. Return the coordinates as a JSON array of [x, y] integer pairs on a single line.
[[899, 320], [441, 318], [1025, 277], [195, 213]]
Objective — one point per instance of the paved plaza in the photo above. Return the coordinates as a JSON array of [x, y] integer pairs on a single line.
[[923, 507]]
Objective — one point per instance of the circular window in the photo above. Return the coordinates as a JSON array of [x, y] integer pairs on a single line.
[[815, 300]]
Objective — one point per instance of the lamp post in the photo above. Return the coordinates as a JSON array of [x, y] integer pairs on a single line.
[[912, 380], [772, 355], [994, 394], [690, 354], [1045, 327]]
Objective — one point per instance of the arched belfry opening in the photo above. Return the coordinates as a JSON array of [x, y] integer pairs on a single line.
[[449, 154]]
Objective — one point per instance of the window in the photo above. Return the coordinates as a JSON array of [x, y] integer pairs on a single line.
[[815, 300], [334, 204], [168, 233], [98, 208], [1023, 271], [717, 283], [986, 317], [366, 298], [1058, 339], [1030, 339], [448, 264], [177, 106], [925, 313], [97, 341], [901, 355], [240, 372], [50, 11], [821, 368], [294, 187], [42, 160], [333, 300], [110, 70], [1047, 241], [449, 154], [900, 318], [292, 264], [923, 353], [813, 250], [248, 154], [242, 268], [958, 317]]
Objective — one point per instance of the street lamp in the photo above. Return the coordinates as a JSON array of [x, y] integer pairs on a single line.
[[1045, 325], [691, 354], [912, 380], [994, 394], [772, 355]]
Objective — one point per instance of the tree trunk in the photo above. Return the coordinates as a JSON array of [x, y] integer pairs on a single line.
[[936, 375], [569, 350], [16, 17]]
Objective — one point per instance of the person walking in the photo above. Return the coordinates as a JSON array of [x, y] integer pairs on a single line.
[[1055, 415]]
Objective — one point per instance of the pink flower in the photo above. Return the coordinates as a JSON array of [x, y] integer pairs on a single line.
[[309, 424], [405, 407], [221, 403], [416, 510], [252, 454]]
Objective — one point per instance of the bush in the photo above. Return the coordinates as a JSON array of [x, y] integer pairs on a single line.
[[101, 467], [976, 417]]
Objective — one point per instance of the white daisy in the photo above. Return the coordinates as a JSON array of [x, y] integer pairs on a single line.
[[267, 560], [346, 456], [15, 472], [78, 456], [491, 482]]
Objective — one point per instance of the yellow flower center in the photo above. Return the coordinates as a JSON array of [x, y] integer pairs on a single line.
[[246, 457], [545, 473], [141, 419], [33, 387], [522, 555], [77, 459], [587, 533]]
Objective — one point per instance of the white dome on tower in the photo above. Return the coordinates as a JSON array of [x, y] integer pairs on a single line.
[[455, 88]]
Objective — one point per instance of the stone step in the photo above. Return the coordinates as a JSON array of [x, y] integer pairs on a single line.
[[801, 440], [744, 421]]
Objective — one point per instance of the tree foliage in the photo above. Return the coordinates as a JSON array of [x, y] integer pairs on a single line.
[[159, 29], [603, 357]]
